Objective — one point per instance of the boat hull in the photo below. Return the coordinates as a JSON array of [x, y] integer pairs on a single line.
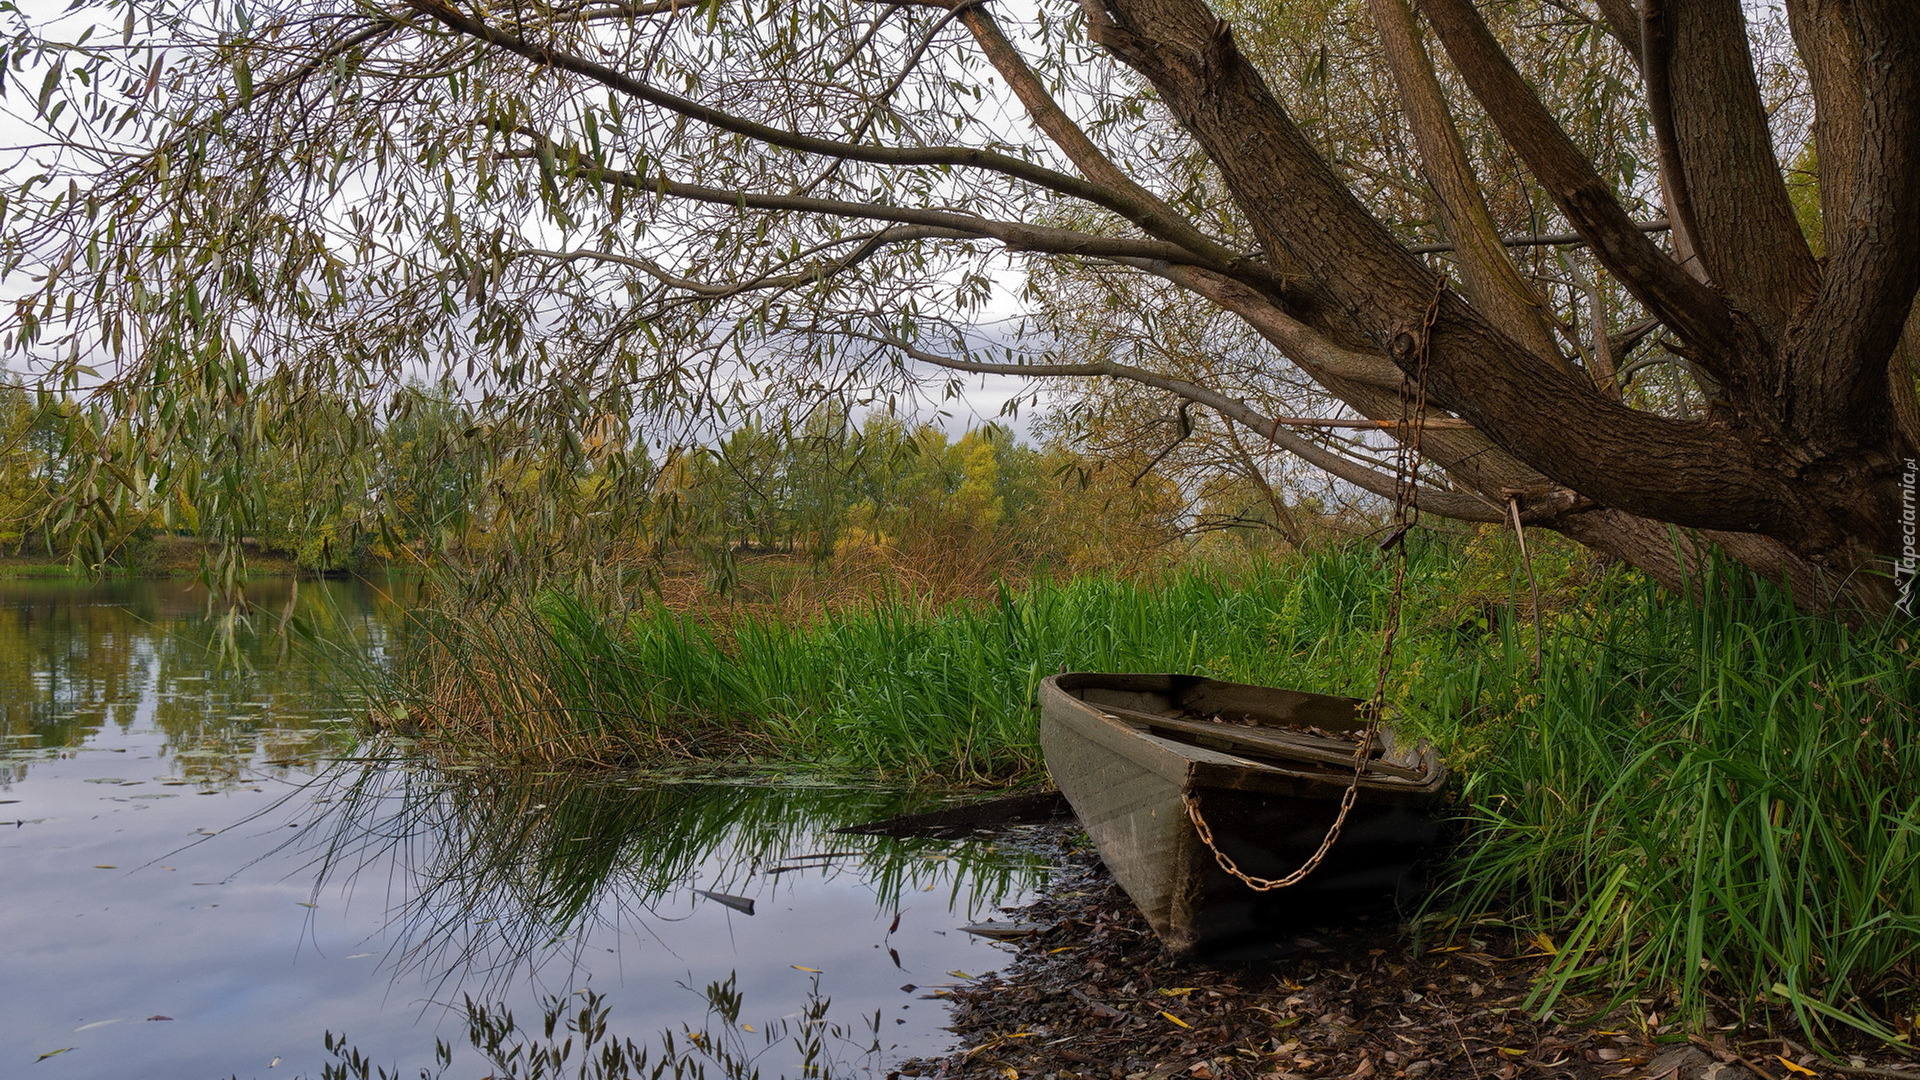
[[1129, 790]]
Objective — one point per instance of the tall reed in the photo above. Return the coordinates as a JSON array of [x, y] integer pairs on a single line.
[[896, 686], [1717, 802]]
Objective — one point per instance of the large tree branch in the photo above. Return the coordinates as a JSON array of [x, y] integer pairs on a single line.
[[1623, 22], [1570, 179], [1680, 470], [1373, 387], [1842, 347], [1323, 359], [1491, 280], [1743, 225], [1149, 215], [1656, 68], [1444, 503], [1830, 47]]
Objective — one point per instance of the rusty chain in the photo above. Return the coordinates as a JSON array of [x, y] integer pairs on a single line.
[[1406, 514]]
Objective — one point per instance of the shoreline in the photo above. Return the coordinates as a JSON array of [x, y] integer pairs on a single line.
[[1092, 995], [174, 558]]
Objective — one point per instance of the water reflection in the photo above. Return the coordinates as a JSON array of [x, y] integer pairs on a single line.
[[195, 884], [812, 1044], [508, 872], [80, 659]]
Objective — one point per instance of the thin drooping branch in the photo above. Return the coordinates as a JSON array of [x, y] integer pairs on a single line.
[[1537, 239], [1437, 423], [1449, 504], [1013, 235], [877, 106], [1284, 521], [1575, 185], [1146, 216], [822, 269], [626, 12], [1597, 355]]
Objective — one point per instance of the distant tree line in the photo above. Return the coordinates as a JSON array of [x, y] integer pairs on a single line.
[[336, 484]]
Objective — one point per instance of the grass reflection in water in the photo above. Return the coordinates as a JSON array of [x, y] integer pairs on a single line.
[[575, 1041], [505, 876]]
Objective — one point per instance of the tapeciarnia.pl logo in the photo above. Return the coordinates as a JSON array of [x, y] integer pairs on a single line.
[[1904, 571]]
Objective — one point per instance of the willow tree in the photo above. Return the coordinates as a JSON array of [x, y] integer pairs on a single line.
[[617, 208]]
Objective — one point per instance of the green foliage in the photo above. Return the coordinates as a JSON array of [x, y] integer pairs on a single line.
[[46, 441], [1719, 802], [1803, 190], [895, 686]]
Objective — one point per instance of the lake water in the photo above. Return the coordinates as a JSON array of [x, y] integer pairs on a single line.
[[204, 871]]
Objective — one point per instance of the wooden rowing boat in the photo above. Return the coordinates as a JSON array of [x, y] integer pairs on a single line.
[[1266, 769]]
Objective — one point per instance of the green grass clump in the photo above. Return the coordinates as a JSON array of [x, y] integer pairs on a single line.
[[894, 687], [1718, 802], [1715, 802]]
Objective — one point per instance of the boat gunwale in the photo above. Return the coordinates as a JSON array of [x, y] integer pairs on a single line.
[[1201, 763]]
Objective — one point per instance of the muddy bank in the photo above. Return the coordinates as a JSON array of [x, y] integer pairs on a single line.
[[1092, 996]]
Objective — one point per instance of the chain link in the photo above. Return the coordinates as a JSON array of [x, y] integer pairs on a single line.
[[1406, 514]]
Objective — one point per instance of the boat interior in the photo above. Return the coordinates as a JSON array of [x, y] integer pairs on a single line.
[[1264, 725]]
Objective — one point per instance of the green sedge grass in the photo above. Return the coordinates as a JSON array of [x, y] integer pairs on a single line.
[[1717, 801]]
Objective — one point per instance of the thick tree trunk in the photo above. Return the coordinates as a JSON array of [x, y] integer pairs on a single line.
[[1794, 471]]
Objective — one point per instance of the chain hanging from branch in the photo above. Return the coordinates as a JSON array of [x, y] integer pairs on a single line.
[[1406, 514]]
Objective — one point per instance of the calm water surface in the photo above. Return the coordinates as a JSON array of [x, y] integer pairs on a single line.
[[203, 871]]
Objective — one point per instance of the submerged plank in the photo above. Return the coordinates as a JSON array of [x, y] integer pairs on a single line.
[[741, 904]]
